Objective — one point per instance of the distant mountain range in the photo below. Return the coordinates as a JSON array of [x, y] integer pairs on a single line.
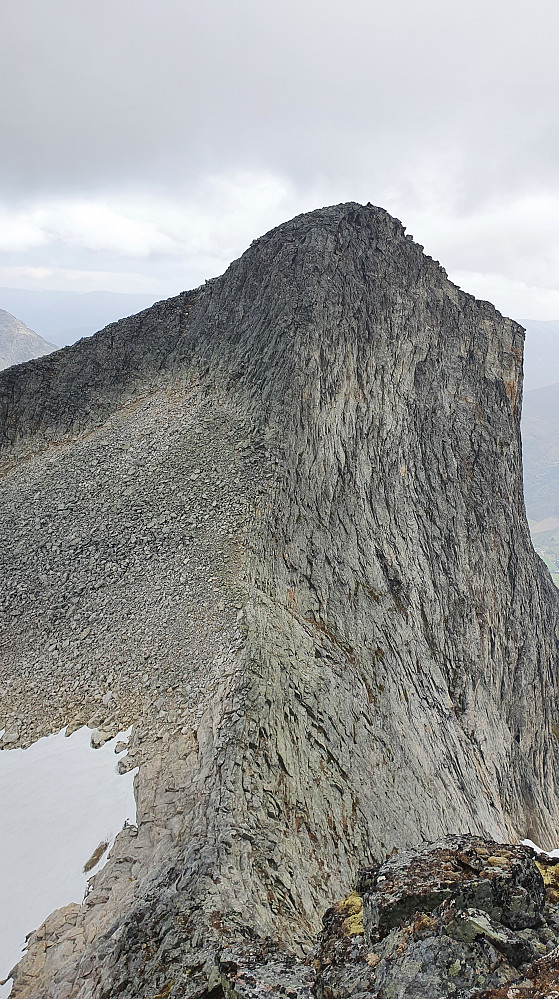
[[541, 354], [540, 425], [540, 433], [65, 316], [18, 343]]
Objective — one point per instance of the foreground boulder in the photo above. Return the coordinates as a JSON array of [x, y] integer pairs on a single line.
[[277, 525], [462, 918]]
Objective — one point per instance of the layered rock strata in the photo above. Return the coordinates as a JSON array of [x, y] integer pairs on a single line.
[[277, 523]]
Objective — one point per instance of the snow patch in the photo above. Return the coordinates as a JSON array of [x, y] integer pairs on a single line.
[[60, 800], [537, 849]]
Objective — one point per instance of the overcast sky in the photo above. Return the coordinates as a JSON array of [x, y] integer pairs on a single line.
[[145, 143]]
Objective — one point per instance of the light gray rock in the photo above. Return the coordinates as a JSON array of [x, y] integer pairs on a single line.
[[10, 738], [18, 343], [99, 737]]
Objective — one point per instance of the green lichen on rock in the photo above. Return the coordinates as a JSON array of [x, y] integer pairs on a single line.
[[549, 870], [454, 920], [351, 910]]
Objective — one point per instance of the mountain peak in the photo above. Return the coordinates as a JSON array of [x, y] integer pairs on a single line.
[[287, 543], [18, 343]]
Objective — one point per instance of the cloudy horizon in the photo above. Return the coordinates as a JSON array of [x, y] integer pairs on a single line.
[[145, 146]]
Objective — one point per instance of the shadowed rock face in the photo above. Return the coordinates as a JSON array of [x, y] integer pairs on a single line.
[[369, 636]]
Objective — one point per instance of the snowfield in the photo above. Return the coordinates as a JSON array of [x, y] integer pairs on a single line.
[[60, 800]]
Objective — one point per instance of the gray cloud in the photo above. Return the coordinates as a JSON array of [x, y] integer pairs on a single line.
[[138, 91], [445, 113]]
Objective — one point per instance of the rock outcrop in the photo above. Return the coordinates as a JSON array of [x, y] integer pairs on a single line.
[[277, 523], [18, 343], [461, 918]]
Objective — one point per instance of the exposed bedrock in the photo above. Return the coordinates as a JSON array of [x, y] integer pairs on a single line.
[[379, 666]]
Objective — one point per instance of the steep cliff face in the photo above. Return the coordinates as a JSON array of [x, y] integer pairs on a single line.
[[369, 636]]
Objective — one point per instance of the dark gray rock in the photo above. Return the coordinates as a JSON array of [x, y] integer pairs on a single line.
[[462, 918]]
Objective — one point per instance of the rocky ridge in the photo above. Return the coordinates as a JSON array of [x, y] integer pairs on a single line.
[[463, 918], [277, 523], [18, 343]]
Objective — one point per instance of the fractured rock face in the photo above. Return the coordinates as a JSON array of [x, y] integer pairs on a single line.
[[277, 523]]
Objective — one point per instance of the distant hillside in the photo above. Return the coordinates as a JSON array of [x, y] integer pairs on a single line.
[[540, 437], [18, 343], [540, 431], [66, 316], [541, 353]]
